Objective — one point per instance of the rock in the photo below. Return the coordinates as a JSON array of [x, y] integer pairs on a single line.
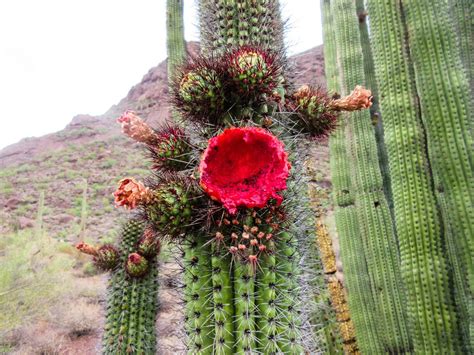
[[64, 218], [24, 222]]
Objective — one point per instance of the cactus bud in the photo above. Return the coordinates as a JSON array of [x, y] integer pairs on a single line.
[[107, 257], [314, 112], [171, 150], [136, 265], [149, 245], [172, 206], [253, 71], [200, 91]]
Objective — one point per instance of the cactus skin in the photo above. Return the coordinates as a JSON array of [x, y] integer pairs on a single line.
[[198, 295], [446, 110], [223, 302], [132, 303], [175, 36], [440, 128]]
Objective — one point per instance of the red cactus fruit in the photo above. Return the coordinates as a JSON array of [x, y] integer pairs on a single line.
[[136, 265], [244, 167]]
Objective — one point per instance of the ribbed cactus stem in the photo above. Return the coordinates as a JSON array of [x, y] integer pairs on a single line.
[[266, 303], [175, 35], [356, 275], [376, 228], [421, 237], [132, 303], [223, 302], [226, 23], [462, 12], [371, 84], [244, 288], [198, 295], [287, 275], [446, 110]]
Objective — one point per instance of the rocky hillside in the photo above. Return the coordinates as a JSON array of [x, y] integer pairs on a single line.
[[77, 168]]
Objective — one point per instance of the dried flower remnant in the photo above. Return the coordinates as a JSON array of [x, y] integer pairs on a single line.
[[131, 193], [360, 98], [134, 127]]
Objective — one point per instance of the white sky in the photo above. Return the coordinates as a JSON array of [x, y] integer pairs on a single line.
[[59, 58]]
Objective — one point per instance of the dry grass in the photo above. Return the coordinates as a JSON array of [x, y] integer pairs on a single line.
[[46, 304]]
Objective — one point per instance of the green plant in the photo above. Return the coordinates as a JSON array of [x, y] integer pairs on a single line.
[[424, 105]]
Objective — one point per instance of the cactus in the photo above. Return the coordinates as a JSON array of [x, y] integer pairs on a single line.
[[132, 301], [244, 230], [363, 213], [437, 121]]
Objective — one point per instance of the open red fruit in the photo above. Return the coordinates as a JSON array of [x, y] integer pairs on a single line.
[[244, 167]]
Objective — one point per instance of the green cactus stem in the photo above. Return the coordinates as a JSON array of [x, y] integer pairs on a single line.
[[132, 303], [430, 162], [198, 295], [175, 36], [376, 226], [223, 297]]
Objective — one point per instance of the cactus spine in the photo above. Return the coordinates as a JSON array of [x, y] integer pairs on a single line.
[[132, 303]]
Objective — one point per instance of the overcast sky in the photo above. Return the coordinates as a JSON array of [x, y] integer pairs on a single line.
[[59, 58]]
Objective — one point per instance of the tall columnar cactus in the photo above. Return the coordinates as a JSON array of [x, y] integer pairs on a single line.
[[371, 213], [361, 301], [424, 102], [226, 192]]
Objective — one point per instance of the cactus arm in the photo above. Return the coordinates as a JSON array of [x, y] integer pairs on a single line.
[[223, 302], [371, 83], [131, 303], [175, 35], [424, 265], [361, 302]]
